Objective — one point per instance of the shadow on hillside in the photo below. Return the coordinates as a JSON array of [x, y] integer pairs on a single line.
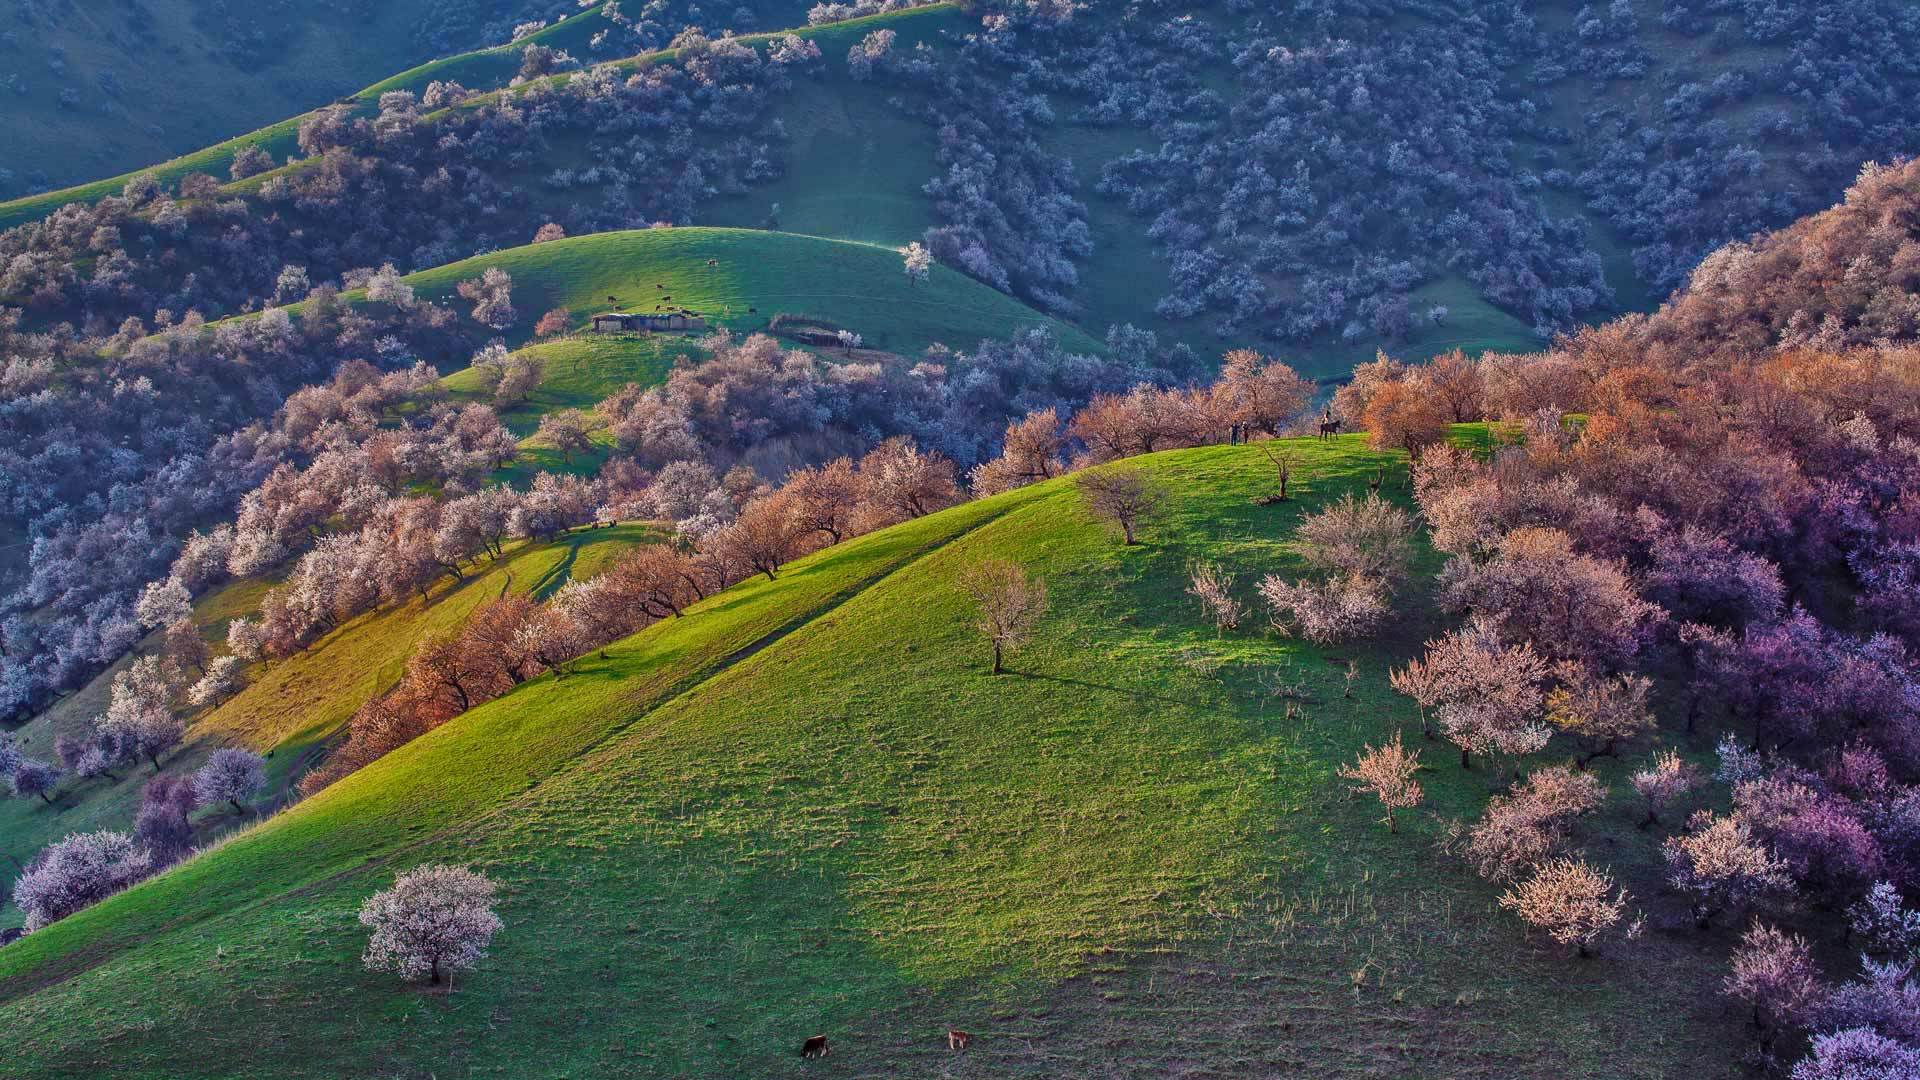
[[1084, 684]]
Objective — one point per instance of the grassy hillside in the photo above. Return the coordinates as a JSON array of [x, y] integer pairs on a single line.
[[805, 807], [483, 69], [180, 84], [755, 276], [855, 169], [290, 706]]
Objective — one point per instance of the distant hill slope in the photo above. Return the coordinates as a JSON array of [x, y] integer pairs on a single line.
[[377, 49], [97, 90], [488, 70], [289, 707], [804, 807], [92, 93], [755, 275]]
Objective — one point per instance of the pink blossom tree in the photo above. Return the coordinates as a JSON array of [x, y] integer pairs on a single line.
[[436, 920]]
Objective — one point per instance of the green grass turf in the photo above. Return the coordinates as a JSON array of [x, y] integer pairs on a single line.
[[205, 91], [289, 706], [859, 286], [805, 807]]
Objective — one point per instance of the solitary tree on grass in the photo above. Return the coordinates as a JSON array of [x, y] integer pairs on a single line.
[[1388, 773], [1663, 783], [1123, 497], [569, 431], [82, 869], [436, 920], [230, 775], [919, 262], [1571, 901], [1773, 972], [35, 778], [1009, 604]]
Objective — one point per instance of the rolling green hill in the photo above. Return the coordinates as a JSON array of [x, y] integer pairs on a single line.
[[859, 156], [857, 285], [805, 807], [484, 69], [209, 96], [329, 680], [855, 172], [756, 275]]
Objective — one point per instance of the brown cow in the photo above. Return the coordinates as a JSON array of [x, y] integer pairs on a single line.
[[815, 1047], [958, 1040]]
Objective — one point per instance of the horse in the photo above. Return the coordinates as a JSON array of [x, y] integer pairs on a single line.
[[815, 1047], [1330, 428]]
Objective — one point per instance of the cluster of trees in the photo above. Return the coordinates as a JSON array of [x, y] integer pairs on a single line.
[[1800, 94], [1006, 207], [128, 416], [112, 449], [727, 529], [751, 402], [1450, 121], [1687, 537], [86, 868], [1255, 200]]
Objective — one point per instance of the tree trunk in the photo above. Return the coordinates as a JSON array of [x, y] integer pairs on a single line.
[[996, 658], [46, 798], [237, 808], [1466, 761]]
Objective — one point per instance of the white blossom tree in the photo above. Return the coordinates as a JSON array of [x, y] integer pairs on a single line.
[[230, 775], [163, 602], [919, 262], [434, 921], [140, 712], [222, 680]]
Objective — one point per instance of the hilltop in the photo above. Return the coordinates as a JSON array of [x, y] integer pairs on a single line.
[[804, 806], [740, 279]]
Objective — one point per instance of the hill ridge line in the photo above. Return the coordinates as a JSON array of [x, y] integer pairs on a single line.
[[23, 984], [694, 680]]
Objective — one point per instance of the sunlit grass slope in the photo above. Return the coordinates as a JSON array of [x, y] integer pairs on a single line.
[[805, 807], [289, 706], [755, 275]]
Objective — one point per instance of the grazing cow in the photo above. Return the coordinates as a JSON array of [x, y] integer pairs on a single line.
[[1329, 428], [667, 297], [611, 300], [657, 285], [815, 1047], [958, 1040]]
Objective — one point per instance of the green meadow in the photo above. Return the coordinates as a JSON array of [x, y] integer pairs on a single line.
[[805, 807]]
